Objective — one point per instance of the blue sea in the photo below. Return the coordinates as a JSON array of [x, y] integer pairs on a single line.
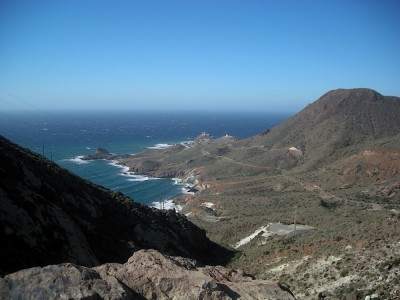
[[66, 136]]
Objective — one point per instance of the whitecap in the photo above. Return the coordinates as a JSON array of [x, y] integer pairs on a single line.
[[132, 176], [186, 188], [186, 191], [78, 160], [166, 204], [115, 163], [160, 146], [177, 181], [139, 178]]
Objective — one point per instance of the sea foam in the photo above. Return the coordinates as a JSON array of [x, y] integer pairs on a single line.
[[161, 146], [77, 160], [166, 205]]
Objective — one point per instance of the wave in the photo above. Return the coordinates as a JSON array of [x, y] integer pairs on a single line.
[[132, 176], [160, 146], [187, 188], [177, 181], [166, 204], [139, 178], [115, 163], [77, 160]]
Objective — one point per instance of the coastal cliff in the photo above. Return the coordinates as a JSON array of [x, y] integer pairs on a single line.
[[50, 216], [64, 237]]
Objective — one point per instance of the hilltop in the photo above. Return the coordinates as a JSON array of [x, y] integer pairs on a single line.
[[338, 120]]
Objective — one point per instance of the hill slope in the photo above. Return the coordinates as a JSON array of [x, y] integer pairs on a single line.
[[340, 124], [339, 119], [334, 166], [49, 216]]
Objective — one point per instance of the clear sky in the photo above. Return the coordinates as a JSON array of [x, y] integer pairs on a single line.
[[208, 54]]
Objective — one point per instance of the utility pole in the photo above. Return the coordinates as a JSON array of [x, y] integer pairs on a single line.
[[42, 149], [295, 220]]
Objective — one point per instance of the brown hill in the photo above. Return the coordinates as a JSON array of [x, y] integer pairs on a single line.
[[338, 120], [339, 124]]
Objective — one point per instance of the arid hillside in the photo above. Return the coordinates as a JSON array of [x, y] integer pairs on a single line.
[[335, 122], [346, 131], [313, 202]]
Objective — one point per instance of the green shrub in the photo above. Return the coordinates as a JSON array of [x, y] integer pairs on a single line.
[[344, 273]]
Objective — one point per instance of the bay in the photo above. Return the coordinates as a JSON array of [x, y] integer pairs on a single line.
[[66, 136]]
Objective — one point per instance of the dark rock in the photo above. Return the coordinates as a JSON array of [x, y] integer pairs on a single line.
[[50, 216], [100, 153]]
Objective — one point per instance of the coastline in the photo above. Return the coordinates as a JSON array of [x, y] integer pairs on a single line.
[[120, 161]]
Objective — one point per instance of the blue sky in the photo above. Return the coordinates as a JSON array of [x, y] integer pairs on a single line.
[[209, 55]]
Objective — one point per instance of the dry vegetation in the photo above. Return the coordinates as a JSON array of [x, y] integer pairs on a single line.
[[334, 166]]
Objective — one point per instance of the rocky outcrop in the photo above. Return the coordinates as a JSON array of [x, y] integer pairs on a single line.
[[50, 216], [148, 274], [100, 153], [203, 138]]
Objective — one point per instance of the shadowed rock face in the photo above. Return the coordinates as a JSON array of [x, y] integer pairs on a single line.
[[147, 275], [50, 216]]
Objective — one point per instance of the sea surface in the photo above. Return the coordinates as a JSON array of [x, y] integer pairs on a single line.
[[64, 137]]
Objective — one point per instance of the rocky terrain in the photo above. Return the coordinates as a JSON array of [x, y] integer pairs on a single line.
[[147, 274], [65, 238], [334, 166], [50, 216], [313, 203]]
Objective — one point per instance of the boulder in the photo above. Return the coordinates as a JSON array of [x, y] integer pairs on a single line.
[[148, 274]]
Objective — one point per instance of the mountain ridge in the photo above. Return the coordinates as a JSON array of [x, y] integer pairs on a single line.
[[338, 119]]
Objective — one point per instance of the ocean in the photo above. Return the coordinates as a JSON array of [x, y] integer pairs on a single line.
[[64, 137]]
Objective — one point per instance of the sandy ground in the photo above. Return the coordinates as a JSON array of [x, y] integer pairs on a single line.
[[274, 228]]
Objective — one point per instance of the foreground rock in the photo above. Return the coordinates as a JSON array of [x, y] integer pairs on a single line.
[[148, 274]]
